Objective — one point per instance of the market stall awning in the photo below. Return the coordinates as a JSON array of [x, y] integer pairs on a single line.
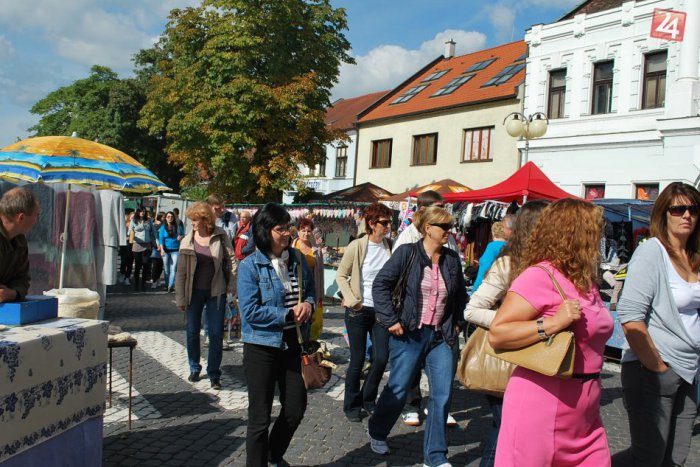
[[529, 181], [363, 193], [443, 187]]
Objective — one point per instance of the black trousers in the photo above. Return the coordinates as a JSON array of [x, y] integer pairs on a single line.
[[142, 268], [156, 268], [127, 260], [266, 368]]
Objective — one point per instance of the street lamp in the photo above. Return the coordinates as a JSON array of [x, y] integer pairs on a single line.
[[531, 127]]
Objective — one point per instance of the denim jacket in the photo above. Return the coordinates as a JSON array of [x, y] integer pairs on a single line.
[[261, 298], [409, 316]]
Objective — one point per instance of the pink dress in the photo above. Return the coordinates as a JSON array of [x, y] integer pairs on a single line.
[[549, 421]]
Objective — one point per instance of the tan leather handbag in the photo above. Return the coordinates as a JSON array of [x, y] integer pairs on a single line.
[[553, 357], [480, 371]]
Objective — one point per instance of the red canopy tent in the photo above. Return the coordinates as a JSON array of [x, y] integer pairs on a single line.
[[529, 182]]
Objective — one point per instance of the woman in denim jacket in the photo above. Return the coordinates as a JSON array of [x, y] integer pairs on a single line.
[[424, 330], [270, 305]]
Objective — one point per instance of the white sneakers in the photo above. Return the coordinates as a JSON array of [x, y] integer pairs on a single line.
[[450, 419], [380, 447], [411, 418]]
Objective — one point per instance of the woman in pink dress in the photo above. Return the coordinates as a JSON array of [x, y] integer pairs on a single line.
[[551, 421]]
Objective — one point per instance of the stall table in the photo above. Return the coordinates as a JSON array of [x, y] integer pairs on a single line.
[[52, 395]]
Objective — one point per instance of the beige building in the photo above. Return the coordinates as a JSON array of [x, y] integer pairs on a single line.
[[446, 121]]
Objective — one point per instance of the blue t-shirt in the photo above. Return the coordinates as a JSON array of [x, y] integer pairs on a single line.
[[490, 254]]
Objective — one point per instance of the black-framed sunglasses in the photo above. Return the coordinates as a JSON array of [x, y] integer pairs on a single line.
[[680, 209], [446, 226], [385, 222]]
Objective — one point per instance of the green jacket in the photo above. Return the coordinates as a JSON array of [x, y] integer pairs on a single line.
[[14, 263]]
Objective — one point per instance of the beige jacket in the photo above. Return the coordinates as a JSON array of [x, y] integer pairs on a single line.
[[484, 303], [349, 275], [225, 266]]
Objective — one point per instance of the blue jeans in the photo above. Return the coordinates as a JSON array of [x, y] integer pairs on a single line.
[[213, 308], [426, 347], [488, 455], [170, 265]]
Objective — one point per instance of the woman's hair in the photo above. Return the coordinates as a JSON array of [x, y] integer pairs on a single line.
[[263, 221], [431, 215], [659, 224], [137, 215], [522, 228], [170, 227], [497, 230], [372, 214], [203, 211], [305, 222], [567, 234]]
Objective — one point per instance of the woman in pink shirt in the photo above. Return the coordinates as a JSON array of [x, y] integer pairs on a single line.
[[551, 421]]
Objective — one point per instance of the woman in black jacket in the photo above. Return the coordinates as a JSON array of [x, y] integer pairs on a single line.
[[424, 330]]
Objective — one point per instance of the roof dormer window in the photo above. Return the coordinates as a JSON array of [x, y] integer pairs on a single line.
[[408, 95], [453, 85], [504, 75], [436, 75], [480, 65]]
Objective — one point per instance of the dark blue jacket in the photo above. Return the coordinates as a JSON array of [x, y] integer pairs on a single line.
[[451, 269]]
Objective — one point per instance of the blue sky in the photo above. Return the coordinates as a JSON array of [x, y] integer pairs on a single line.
[[46, 44]]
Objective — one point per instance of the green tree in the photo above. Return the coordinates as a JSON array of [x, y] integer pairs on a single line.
[[240, 88], [106, 109]]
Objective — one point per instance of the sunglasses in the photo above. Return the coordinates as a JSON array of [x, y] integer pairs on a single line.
[[444, 227], [385, 222], [679, 210]]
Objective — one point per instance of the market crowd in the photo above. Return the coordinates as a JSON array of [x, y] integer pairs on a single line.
[[407, 302]]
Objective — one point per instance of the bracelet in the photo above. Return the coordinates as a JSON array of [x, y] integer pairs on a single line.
[[540, 330]]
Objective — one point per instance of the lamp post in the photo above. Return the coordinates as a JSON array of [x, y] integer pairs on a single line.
[[530, 127]]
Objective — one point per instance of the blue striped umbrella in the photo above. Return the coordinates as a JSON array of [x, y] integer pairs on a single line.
[[75, 161]]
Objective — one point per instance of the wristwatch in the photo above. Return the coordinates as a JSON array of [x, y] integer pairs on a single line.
[[540, 329]]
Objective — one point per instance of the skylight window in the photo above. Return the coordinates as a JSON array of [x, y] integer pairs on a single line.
[[436, 75], [453, 85], [504, 75], [480, 65], [408, 95], [521, 58]]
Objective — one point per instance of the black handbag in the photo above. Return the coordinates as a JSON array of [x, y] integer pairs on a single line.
[[399, 292]]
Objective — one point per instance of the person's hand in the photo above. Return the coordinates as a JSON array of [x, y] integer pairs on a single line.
[[7, 294], [179, 237], [162, 252], [396, 330], [568, 312], [302, 312]]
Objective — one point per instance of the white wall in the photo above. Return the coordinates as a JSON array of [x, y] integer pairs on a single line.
[[628, 145], [450, 126]]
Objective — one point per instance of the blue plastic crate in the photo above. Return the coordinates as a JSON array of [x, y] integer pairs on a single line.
[[34, 308]]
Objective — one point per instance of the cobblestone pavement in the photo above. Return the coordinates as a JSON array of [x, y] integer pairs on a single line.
[[177, 423]]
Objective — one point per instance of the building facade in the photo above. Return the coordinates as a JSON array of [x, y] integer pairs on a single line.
[[445, 121], [623, 106], [338, 172]]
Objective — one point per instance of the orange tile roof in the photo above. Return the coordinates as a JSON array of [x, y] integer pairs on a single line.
[[343, 114], [470, 92]]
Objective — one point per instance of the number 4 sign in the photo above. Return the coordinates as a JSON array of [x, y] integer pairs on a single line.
[[668, 25]]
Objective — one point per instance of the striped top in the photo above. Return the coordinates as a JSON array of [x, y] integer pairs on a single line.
[[291, 299], [432, 296]]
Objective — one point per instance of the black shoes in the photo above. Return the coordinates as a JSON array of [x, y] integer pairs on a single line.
[[215, 384], [354, 415], [193, 377]]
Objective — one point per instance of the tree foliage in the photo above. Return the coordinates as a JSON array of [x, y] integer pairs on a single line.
[[240, 88], [106, 109]]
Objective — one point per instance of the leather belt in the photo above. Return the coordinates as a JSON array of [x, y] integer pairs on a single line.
[[586, 376]]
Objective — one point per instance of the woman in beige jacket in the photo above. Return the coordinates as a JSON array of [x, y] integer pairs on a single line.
[[205, 272], [483, 304], [360, 264]]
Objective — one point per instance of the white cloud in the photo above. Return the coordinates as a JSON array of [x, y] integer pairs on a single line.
[[386, 66], [554, 3], [503, 20], [6, 49]]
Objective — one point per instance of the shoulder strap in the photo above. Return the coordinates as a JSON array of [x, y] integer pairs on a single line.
[[297, 255], [554, 281]]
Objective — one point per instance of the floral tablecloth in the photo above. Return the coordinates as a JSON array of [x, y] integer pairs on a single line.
[[52, 377]]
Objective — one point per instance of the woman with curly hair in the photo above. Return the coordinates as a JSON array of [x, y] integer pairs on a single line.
[[565, 413], [659, 314]]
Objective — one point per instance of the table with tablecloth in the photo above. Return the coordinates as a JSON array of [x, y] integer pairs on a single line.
[[52, 385]]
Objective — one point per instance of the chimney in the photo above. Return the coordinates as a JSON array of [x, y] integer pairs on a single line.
[[450, 48]]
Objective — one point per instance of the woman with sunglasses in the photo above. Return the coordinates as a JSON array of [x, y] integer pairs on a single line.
[[659, 314], [273, 300], [362, 260], [424, 330]]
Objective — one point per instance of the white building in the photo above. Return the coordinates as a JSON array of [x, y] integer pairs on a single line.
[[623, 106], [338, 172]]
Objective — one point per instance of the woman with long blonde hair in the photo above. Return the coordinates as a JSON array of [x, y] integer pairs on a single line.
[[564, 413]]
